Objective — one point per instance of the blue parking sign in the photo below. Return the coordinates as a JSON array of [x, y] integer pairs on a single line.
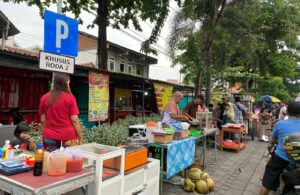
[[60, 34]]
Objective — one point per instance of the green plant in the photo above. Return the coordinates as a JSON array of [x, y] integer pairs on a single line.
[[36, 135], [114, 134], [108, 134]]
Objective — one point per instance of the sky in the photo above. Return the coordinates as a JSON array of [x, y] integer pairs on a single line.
[[29, 22]]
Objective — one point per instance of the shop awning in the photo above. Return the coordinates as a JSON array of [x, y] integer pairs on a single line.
[[7, 26]]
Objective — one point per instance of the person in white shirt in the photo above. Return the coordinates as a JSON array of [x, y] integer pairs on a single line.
[[282, 112]]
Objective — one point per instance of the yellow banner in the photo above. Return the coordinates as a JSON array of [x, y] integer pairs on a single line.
[[122, 97], [98, 96], [163, 93]]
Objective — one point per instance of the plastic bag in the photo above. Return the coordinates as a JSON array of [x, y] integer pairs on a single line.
[[179, 126]]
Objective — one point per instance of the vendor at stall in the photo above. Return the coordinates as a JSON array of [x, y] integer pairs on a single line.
[[194, 106], [172, 112], [59, 115]]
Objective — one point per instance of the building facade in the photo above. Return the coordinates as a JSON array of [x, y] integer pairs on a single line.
[[120, 59]]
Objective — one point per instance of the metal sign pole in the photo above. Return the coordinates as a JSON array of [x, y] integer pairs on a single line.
[[59, 8]]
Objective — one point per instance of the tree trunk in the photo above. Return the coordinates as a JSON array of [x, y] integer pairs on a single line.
[[218, 11], [199, 83], [207, 61], [102, 13]]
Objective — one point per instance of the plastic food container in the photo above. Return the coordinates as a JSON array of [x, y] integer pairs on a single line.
[[57, 164], [74, 160], [169, 131], [150, 127], [195, 133], [162, 138], [30, 161]]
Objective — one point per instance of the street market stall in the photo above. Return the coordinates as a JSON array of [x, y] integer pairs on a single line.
[[103, 173], [143, 177], [180, 155], [26, 183], [239, 144]]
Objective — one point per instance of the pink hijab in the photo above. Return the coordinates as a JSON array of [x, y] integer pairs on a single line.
[[172, 106]]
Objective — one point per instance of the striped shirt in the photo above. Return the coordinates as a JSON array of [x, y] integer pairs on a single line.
[[238, 112]]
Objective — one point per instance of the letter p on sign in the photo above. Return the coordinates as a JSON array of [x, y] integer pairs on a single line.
[[60, 34]]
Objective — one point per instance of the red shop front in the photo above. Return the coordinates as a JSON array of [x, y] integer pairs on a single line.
[[21, 89]]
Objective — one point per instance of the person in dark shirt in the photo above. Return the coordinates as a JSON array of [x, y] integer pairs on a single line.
[[211, 107], [192, 107], [23, 138], [223, 107]]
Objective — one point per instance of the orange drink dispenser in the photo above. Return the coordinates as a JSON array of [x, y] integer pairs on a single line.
[[57, 163], [74, 160]]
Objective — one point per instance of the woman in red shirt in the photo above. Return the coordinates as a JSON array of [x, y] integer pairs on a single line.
[[59, 115]]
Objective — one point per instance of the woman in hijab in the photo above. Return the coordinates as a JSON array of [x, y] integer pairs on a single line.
[[172, 112]]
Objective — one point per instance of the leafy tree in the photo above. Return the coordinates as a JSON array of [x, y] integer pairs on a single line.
[[115, 13], [265, 44], [202, 17], [252, 42]]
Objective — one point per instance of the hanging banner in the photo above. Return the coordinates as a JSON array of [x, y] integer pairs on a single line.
[[98, 96], [163, 93]]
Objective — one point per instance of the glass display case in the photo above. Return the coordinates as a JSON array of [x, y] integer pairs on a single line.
[[109, 180], [205, 119]]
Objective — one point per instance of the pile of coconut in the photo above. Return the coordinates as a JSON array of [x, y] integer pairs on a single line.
[[198, 181]]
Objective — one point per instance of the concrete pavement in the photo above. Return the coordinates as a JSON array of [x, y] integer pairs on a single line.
[[234, 173]]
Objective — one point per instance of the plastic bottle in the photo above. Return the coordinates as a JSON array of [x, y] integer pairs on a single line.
[[38, 164], [10, 152], [57, 163], [46, 162], [5, 149]]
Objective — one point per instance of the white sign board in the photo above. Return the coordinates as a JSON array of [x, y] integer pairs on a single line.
[[58, 63]]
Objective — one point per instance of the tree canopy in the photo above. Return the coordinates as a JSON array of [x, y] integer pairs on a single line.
[[114, 13], [254, 43]]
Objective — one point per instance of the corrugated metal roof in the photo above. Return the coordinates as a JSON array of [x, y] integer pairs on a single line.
[[5, 22], [31, 53], [88, 65], [21, 51]]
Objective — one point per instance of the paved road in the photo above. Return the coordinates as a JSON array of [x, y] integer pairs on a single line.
[[234, 173]]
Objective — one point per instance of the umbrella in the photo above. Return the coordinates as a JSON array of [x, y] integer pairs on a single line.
[[269, 99]]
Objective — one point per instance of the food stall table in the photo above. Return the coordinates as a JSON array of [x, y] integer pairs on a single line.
[[205, 134], [180, 156], [26, 183], [239, 130]]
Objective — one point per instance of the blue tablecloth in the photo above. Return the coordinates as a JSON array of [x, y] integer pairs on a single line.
[[180, 155]]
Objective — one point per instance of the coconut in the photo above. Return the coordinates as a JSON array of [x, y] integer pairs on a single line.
[[211, 184], [189, 186], [194, 174], [202, 187], [204, 175]]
